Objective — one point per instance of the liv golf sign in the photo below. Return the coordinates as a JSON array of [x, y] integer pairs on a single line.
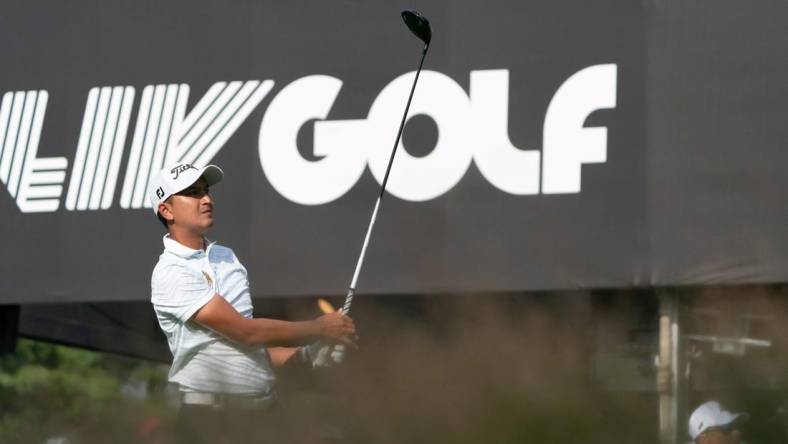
[[472, 127]]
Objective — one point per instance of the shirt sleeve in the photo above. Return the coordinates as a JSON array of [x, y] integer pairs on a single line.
[[178, 291]]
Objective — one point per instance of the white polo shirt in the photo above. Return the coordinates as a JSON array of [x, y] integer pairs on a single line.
[[183, 281]]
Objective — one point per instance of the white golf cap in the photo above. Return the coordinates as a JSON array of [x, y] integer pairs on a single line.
[[709, 415], [177, 177]]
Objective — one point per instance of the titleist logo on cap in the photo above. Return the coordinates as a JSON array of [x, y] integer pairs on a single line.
[[179, 169]]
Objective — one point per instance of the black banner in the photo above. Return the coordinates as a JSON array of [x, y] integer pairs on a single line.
[[551, 145]]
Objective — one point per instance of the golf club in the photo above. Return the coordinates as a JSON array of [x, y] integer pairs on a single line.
[[419, 26]]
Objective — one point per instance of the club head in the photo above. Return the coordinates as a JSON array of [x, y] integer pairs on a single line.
[[418, 25]]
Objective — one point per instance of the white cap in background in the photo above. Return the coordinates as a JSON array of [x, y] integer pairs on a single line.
[[709, 415]]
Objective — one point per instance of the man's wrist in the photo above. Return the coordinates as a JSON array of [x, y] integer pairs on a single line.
[[311, 329]]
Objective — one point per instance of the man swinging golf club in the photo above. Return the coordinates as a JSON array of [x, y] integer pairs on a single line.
[[222, 356]]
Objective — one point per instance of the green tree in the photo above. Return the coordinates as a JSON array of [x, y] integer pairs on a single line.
[[48, 389]]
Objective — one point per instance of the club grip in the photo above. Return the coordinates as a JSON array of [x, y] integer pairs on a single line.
[[348, 300]]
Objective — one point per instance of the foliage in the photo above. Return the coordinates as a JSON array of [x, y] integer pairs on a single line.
[[48, 390]]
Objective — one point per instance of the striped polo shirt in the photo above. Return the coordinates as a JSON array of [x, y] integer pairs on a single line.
[[183, 281]]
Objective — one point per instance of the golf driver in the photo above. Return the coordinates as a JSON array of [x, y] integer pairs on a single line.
[[419, 26]]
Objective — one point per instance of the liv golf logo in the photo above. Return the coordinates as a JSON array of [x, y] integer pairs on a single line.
[[472, 127]]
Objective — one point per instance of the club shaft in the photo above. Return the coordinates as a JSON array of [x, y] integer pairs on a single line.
[[352, 289]]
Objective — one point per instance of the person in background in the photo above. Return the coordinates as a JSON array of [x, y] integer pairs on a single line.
[[711, 424]]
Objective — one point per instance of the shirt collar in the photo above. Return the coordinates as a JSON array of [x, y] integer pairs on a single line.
[[183, 251]]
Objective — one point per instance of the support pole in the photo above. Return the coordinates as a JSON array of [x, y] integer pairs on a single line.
[[672, 371], [9, 326]]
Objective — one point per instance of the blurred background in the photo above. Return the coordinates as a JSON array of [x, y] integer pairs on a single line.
[[583, 237]]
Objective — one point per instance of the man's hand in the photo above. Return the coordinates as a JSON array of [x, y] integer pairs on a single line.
[[336, 328]]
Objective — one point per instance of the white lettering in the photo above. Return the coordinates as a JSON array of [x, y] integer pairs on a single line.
[[472, 127], [469, 128], [508, 168], [421, 178], [567, 144], [35, 182], [304, 181]]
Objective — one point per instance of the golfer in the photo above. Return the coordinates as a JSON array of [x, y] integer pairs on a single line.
[[223, 358]]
